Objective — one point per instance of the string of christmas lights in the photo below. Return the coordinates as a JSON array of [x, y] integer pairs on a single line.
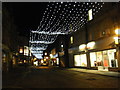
[[61, 18]]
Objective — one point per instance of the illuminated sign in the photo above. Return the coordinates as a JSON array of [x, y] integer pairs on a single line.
[[91, 45], [82, 47]]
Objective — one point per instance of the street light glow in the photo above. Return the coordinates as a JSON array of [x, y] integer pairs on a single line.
[[117, 31]]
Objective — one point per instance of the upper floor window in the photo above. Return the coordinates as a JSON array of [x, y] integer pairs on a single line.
[[90, 15], [71, 39]]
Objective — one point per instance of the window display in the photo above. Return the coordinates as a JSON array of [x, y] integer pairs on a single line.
[[93, 59], [77, 60], [99, 59], [105, 59], [83, 60], [112, 60], [80, 60]]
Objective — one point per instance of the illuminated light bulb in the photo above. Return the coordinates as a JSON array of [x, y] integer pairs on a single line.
[[61, 2]]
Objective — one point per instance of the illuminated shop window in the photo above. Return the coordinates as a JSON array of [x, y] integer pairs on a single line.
[[105, 59], [80, 60], [112, 60], [77, 60], [90, 15], [99, 59], [71, 39], [83, 59], [93, 59]]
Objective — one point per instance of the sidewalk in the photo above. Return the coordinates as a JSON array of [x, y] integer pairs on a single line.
[[105, 73]]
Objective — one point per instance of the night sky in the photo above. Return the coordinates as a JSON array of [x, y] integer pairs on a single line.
[[27, 15]]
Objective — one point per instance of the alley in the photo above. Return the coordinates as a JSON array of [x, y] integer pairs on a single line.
[[55, 77]]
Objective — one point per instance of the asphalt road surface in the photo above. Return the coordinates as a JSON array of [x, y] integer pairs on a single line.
[[54, 77]]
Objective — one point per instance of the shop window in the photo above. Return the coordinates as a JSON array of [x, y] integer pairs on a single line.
[[112, 60], [76, 60], [105, 59], [83, 60], [99, 59], [80, 60], [93, 59]]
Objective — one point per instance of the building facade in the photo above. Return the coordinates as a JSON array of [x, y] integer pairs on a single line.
[[96, 45]]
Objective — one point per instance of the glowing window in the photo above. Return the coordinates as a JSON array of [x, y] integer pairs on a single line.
[[71, 39], [90, 16]]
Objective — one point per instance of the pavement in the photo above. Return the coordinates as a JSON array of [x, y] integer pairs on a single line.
[[104, 73], [58, 77]]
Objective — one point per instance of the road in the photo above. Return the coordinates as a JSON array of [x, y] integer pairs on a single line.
[[49, 77]]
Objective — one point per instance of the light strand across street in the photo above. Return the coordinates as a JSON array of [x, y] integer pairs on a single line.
[[61, 18]]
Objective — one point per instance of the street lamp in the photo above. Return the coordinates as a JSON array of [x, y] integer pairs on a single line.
[[45, 53], [117, 38]]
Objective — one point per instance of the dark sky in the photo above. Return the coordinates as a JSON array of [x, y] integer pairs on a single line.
[[27, 15]]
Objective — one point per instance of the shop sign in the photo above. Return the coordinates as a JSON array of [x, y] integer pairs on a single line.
[[91, 45], [82, 47]]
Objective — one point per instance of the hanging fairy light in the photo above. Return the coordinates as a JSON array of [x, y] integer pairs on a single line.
[[58, 18]]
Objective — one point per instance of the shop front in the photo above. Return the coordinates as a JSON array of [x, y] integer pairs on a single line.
[[104, 59], [103, 55], [80, 60]]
